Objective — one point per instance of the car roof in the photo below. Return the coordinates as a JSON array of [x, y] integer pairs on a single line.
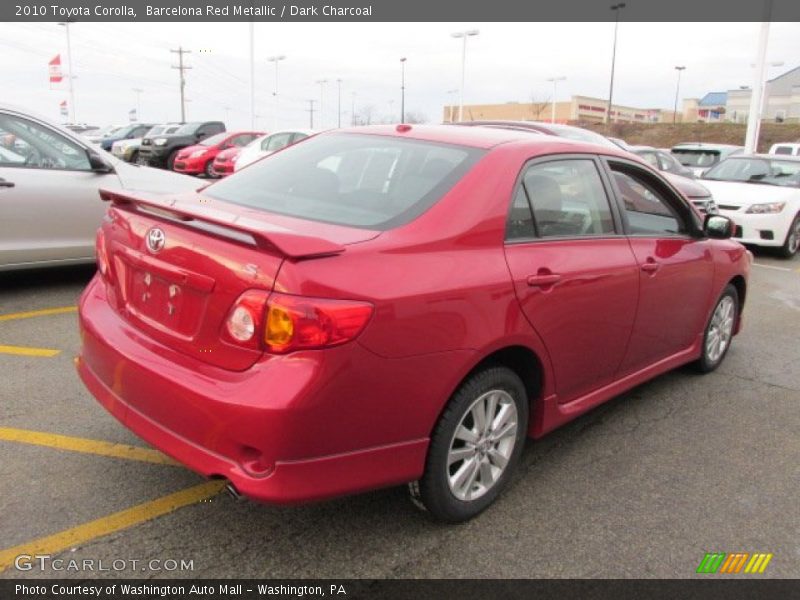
[[484, 137], [786, 157], [704, 146]]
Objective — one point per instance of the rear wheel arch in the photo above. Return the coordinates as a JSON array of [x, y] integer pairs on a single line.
[[521, 360]]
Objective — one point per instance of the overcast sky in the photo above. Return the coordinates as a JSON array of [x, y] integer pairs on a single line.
[[506, 62]]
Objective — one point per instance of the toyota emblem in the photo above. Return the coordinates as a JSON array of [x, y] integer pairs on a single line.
[[155, 240]]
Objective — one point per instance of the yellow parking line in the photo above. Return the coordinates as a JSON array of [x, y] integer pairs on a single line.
[[76, 444], [27, 351], [38, 313], [123, 519]]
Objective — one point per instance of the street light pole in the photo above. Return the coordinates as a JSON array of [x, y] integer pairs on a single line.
[[339, 103], [353, 110], [138, 92], [276, 59], [554, 81], [463, 35], [677, 91], [617, 8], [403, 90], [70, 76]]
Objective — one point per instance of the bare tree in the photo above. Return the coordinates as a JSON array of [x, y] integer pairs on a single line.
[[537, 107], [365, 114], [416, 117]]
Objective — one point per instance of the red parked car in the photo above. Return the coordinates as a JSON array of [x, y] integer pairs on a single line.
[[223, 163], [386, 305], [199, 159]]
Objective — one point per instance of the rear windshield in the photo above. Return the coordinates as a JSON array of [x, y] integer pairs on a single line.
[[696, 158], [366, 181]]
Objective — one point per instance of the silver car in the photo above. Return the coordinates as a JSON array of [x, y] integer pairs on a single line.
[[49, 180]]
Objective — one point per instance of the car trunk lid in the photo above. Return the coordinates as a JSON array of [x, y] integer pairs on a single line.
[[176, 266]]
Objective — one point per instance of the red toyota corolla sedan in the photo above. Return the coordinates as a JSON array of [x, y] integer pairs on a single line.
[[386, 305], [199, 159]]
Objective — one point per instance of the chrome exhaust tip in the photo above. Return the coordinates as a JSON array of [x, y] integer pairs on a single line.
[[233, 492]]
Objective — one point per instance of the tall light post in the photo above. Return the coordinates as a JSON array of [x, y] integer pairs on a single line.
[[450, 104], [617, 8], [339, 103], [677, 91], [138, 92], [403, 90], [554, 81], [463, 35], [321, 83], [252, 76], [353, 109], [70, 75], [276, 59], [756, 97]]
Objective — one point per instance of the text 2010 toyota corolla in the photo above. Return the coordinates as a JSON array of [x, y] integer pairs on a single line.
[[394, 304]]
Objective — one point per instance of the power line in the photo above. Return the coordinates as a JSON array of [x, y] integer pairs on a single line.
[[181, 67]]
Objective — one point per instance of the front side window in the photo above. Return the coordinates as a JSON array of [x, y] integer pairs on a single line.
[[568, 199], [24, 143], [367, 181], [646, 208]]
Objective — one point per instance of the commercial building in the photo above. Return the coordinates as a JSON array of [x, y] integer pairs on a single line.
[[583, 109]]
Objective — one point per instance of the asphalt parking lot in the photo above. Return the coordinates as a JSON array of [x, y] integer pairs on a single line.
[[644, 486]]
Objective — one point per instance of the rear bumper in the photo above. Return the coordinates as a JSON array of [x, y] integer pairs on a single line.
[[758, 229], [272, 430]]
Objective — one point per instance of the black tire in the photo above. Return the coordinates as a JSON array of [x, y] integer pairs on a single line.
[[134, 157], [171, 159], [792, 242], [707, 361], [209, 170], [433, 491]]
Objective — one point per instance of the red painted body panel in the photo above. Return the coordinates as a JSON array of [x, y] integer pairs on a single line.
[[186, 163], [447, 292]]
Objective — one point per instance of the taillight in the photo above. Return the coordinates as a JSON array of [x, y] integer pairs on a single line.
[[298, 323], [280, 323], [100, 252], [245, 320]]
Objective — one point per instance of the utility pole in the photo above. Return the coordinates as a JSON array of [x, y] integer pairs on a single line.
[[677, 91], [321, 83], [339, 83], [138, 92], [311, 113], [403, 90], [181, 68], [617, 8], [70, 76], [353, 110]]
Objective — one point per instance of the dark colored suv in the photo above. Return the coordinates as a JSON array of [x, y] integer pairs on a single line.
[[161, 150]]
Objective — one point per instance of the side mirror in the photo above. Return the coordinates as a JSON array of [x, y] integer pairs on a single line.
[[98, 164], [718, 227], [200, 135]]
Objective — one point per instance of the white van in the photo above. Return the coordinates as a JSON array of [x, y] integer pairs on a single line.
[[785, 149]]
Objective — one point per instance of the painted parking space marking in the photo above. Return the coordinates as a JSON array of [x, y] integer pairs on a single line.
[[86, 446], [775, 268], [118, 521], [39, 313], [28, 351]]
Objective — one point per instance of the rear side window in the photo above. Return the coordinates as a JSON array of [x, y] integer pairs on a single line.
[[568, 199], [783, 150], [367, 181]]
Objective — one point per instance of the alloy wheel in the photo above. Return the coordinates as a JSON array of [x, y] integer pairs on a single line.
[[720, 329], [482, 445]]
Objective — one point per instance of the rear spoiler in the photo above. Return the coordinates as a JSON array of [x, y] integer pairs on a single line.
[[288, 243]]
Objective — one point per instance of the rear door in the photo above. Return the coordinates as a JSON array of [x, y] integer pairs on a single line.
[[573, 270], [675, 265]]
